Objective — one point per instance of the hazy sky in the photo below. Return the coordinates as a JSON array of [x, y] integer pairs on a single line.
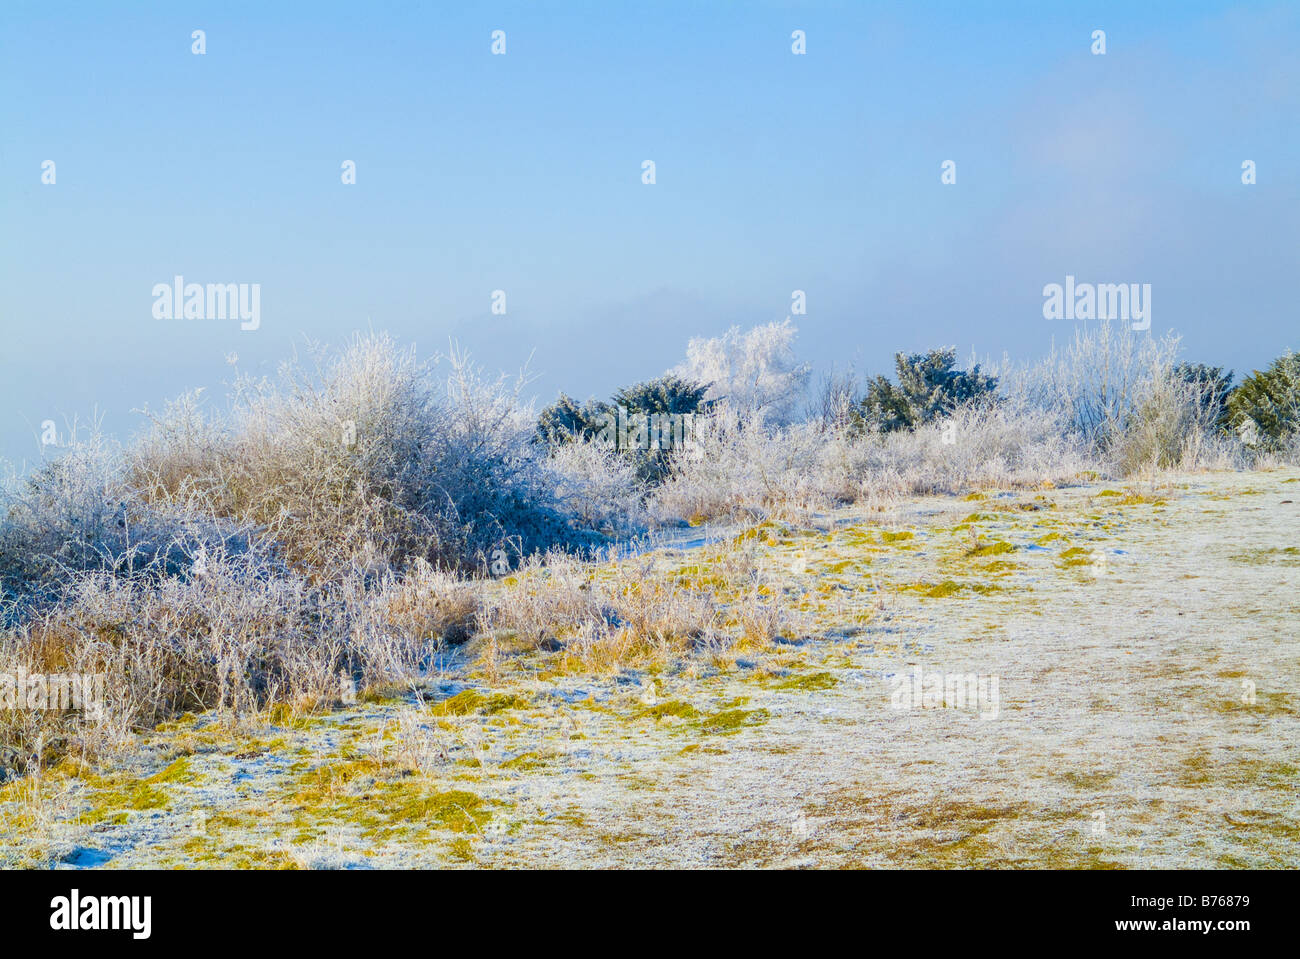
[[523, 172]]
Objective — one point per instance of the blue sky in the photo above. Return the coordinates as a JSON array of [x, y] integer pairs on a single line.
[[522, 172]]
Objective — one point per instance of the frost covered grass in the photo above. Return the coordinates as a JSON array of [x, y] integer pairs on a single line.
[[682, 752], [338, 529], [749, 470], [1109, 404]]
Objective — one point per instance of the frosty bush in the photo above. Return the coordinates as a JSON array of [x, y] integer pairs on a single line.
[[566, 421], [231, 637], [79, 513], [752, 372], [1174, 424], [597, 486], [1099, 381], [1213, 385], [742, 465], [1265, 407], [976, 445], [367, 458], [326, 527], [928, 387], [1132, 403], [642, 423], [835, 400], [747, 469]]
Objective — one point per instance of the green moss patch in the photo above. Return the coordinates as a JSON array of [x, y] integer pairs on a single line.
[[471, 701], [1282, 556], [456, 810], [949, 587], [1076, 556], [177, 772], [731, 721], [991, 549], [674, 708], [110, 800], [814, 681]]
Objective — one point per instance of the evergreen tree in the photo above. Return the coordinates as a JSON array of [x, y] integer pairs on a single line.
[[928, 387]]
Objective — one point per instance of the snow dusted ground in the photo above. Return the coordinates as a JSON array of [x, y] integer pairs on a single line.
[[1145, 642]]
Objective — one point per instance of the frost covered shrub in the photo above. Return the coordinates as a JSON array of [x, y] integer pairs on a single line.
[[754, 372], [328, 465], [1174, 425], [597, 486], [366, 461], [79, 513], [929, 386], [738, 464], [975, 445], [1098, 381], [228, 636], [1129, 400], [642, 423], [425, 602], [652, 419], [494, 480], [1214, 386], [835, 400], [235, 635], [745, 468], [636, 615], [1265, 406], [567, 421], [1003, 445]]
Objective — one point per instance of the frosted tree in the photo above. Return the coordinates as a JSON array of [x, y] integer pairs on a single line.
[[752, 372]]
